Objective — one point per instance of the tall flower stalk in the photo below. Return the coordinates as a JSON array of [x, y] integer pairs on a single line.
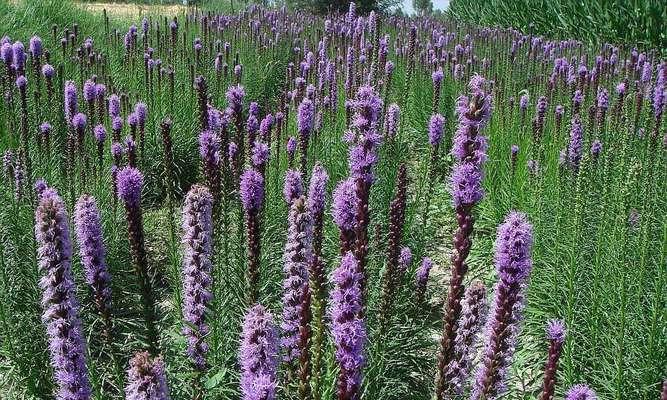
[[396, 222], [473, 314], [296, 260], [347, 327], [365, 138], [130, 182], [252, 198], [146, 378], [197, 244], [61, 309], [317, 282], [258, 355], [469, 151], [556, 335], [513, 263], [92, 251]]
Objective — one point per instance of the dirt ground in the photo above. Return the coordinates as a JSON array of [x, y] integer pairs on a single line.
[[132, 10]]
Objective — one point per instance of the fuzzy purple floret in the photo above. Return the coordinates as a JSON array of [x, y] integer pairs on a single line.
[[514, 243], [21, 82], [466, 185], [130, 181], [293, 187], [79, 121], [291, 145], [317, 190], [63, 327], [556, 330], [305, 118], [258, 356], [404, 259], [48, 71], [209, 148], [235, 95], [345, 203], [197, 242], [364, 136], [141, 111], [260, 153], [114, 106], [70, 101], [251, 190], [89, 91], [580, 392], [347, 328], [436, 128], [35, 46], [575, 146], [596, 148], [146, 378], [100, 133], [473, 315]]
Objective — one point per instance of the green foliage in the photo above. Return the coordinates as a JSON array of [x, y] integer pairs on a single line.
[[640, 22], [423, 7]]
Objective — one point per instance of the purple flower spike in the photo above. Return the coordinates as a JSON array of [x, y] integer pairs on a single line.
[[197, 240], [252, 191], [89, 91], [347, 328], [100, 133], [258, 356], [92, 251], [473, 314], [556, 330], [466, 185], [296, 260], [21, 82], [291, 145], [580, 392], [235, 95], [70, 102], [305, 117], [436, 128], [363, 154], [130, 181], [404, 260], [345, 202], [141, 111], [35, 46], [556, 335], [48, 71], [575, 146], [596, 148], [146, 378], [114, 106], [260, 153], [392, 119], [317, 189], [79, 121], [293, 188], [513, 263], [40, 187], [63, 327]]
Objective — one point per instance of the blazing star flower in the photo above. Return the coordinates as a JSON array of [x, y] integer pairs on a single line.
[[258, 355]]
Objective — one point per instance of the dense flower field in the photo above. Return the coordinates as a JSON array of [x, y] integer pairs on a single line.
[[274, 204]]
